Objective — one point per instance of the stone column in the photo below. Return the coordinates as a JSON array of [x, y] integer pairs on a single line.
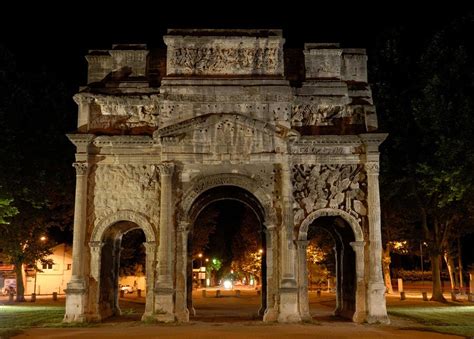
[[303, 300], [271, 313], [360, 311], [182, 312], [76, 288], [289, 311], [377, 311], [150, 250], [164, 303]]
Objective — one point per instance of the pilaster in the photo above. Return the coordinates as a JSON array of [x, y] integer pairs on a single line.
[[303, 300]]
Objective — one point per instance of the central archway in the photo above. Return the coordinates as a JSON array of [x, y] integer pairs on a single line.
[[237, 201]]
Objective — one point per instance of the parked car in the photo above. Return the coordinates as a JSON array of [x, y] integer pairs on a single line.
[[126, 288]]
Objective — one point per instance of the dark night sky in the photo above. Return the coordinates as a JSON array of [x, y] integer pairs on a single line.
[[58, 36], [55, 36]]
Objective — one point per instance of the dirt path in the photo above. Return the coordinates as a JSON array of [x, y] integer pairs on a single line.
[[231, 317], [233, 330]]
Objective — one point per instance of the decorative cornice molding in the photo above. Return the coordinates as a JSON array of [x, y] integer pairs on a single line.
[[80, 139], [123, 141]]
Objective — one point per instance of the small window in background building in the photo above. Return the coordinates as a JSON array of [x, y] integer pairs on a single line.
[[68, 267], [47, 266]]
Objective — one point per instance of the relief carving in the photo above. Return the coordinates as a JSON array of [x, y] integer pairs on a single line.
[[316, 115], [113, 112], [123, 187], [219, 60], [328, 186]]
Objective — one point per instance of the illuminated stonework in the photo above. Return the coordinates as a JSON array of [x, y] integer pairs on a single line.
[[160, 134]]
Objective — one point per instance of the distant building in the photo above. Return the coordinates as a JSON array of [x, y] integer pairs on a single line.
[[54, 277]]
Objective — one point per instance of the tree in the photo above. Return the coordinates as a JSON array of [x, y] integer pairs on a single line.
[[427, 107], [36, 177]]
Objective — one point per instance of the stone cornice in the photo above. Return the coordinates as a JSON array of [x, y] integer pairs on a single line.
[[373, 139], [129, 99], [123, 141], [80, 140]]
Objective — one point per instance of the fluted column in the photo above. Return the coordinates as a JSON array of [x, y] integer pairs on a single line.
[[76, 288], [288, 288], [79, 221], [376, 290], [166, 227], [164, 301], [303, 300]]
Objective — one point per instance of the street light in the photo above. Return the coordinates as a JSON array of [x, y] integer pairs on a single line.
[[43, 239]]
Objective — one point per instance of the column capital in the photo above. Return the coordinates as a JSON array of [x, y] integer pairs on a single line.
[[301, 244], [372, 167], [166, 168], [96, 245], [183, 226], [81, 167], [149, 245], [356, 245]]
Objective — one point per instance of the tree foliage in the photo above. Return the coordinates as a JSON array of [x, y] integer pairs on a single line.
[[425, 102], [36, 181]]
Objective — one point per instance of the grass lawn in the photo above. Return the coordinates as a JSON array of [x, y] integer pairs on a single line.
[[446, 319], [14, 318]]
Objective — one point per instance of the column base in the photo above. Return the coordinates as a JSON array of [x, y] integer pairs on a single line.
[[376, 305], [75, 302], [381, 319], [359, 317], [182, 316], [164, 305], [270, 315], [289, 312]]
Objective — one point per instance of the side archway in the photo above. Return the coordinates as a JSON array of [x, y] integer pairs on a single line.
[[105, 246], [330, 212], [350, 272], [124, 215]]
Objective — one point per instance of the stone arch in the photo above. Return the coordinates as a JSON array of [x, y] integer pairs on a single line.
[[330, 212], [124, 215], [203, 184], [101, 241], [192, 196], [352, 304]]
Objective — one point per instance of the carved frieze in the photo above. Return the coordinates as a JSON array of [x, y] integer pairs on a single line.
[[328, 186], [219, 134], [123, 187], [120, 112], [316, 115], [221, 60], [220, 55]]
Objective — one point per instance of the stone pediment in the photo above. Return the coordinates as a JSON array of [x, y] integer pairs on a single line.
[[218, 133]]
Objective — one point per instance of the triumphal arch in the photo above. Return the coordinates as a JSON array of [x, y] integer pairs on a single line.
[[226, 114]]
